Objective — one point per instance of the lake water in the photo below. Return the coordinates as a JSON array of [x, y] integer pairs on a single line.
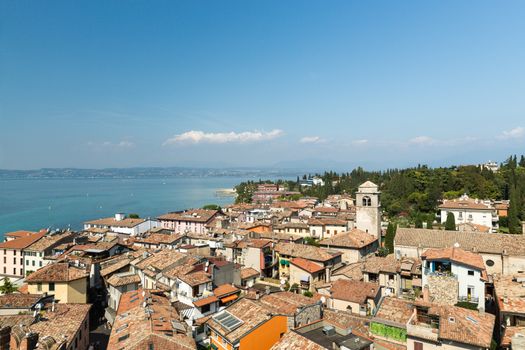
[[36, 204]]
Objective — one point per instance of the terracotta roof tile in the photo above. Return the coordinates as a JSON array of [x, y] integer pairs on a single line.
[[287, 303], [469, 203], [510, 293], [352, 239], [307, 265], [19, 234], [15, 300], [354, 291], [58, 272], [294, 341], [395, 310], [377, 264], [224, 290], [137, 327], [122, 279], [196, 278], [62, 323], [50, 241], [464, 325], [251, 313], [192, 215], [127, 222], [206, 301], [22, 242], [327, 221], [248, 272], [455, 254], [470, 241], [305, 251]]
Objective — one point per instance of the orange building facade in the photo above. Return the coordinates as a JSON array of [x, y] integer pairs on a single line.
[[262, 337]]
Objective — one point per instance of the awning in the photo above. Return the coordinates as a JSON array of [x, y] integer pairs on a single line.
[[229, 298], [305, 278]]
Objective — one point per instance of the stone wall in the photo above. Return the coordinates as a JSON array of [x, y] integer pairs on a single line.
[[443, 289], [307, 315]]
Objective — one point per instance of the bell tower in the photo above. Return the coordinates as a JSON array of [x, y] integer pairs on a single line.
[[368, 209]]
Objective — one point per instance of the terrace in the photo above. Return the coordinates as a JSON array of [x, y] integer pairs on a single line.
[[423, 325]]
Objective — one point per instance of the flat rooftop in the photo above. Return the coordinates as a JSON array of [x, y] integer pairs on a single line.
[[350, 341]]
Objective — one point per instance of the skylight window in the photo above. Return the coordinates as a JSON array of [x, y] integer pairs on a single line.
[[121, 328], [227, 321], [124, 337]]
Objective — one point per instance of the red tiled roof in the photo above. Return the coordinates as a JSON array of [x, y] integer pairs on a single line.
[[224, 290], [205, 301], [59, 272], [354, 291], [249, 272], [307, 265], [455, 254], [19, 234], [23, 242], [193, 215]]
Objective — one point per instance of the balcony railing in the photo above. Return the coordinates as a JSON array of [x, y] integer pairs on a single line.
[[429, 272], [473, 300]]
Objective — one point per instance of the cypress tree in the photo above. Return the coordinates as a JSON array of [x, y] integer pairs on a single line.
[[389, 237], [450, 224], [418, 223], [514, 210]]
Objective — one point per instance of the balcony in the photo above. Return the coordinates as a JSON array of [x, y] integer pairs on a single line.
[[473, 300], [305, 285], [445, 273]]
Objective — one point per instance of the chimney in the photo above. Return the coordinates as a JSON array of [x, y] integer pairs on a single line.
[[29, 341], [5, 337], [426, 295], [120, 216], [257, 295], [328, 273]]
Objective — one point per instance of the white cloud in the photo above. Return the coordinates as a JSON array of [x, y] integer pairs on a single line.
[[311, 139], [422, 140], [125, 144], [360, 142], [194, 136], [516, 133]]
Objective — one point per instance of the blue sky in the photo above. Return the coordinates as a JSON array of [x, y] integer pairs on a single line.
[[260, 83]]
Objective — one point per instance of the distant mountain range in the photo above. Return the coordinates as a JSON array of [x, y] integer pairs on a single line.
[[120, 173]]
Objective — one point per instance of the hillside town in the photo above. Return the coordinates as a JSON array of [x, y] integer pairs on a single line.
[[271, 274]]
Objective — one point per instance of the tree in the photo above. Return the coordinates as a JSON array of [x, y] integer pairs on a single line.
[[430, 223], [133, 216], [419, 223], [311, 241], [382, 252], [7, 287], [450, 224], [211, 207], [514, 210], [389, 237]]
